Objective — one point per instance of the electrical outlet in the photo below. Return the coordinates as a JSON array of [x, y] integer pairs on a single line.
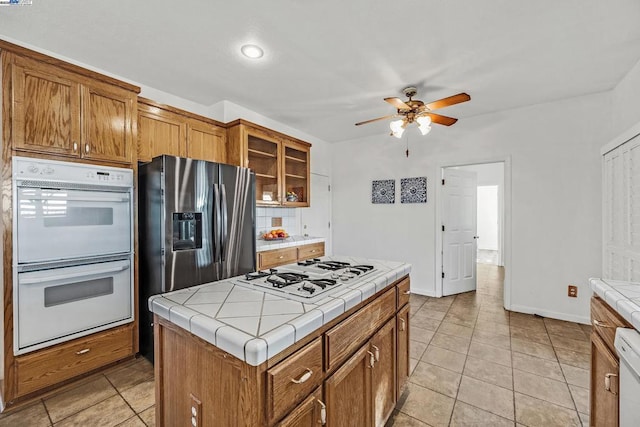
[[572, 291], [196, 411], [276, 221]]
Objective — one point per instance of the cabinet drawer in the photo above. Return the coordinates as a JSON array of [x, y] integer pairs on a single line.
[[346, 337], [403, 290], [315, 250], [53, 365], [289, 382], [268, 259], [605, 321]]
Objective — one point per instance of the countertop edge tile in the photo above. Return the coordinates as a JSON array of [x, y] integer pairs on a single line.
[[627, 308]]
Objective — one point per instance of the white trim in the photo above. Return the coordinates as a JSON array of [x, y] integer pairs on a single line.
[[625, 136], [552, 314], [507, 222], [422, 293]]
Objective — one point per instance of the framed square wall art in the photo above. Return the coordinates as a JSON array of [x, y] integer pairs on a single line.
[[383, 191], [413, 190]]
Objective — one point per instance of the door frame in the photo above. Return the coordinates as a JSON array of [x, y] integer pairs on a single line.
[[506, 256]]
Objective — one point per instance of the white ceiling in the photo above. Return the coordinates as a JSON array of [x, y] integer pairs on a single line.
[[329, 63]]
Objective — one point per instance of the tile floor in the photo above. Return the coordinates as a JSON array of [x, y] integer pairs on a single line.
[[120, 396], [474, 364]]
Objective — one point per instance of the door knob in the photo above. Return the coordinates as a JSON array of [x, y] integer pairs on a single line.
[[476, 237]]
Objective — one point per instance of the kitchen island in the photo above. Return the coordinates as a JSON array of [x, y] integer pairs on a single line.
[[239, 352]]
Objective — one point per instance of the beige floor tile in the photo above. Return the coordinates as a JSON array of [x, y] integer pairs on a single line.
[[149, 416], [416, 349], [462, 320], [424, 322], [455, 329], [412, 365], [539, 387], [128, 376], [490, 338], [495, 328], [533, 349], [419, 334], [576, 376], [527, 321], [586, 329], [110, 412], [495, 316], [141, 396], [488, 371], [436, 378], [33, 415], [565, 329], [580, 346], [403, 420], [431, 314], [75, 400], [490, 353], [585, 419], [427, 405], [417, 300], [532, 335], [568, 357], [469, 416], [581, 398], [489, 397], [536, 365], [451, 342], [134, 421], [538, 413], [444, 358]]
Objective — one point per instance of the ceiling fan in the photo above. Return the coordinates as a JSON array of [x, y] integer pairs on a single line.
[[417, 111]]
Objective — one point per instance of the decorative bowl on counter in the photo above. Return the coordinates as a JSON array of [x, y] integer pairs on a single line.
[[278, 234]]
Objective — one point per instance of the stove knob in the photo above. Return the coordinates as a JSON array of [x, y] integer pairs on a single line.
[[33, 169]]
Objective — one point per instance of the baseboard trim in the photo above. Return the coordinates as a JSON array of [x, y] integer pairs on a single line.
[[551, 314], [423, 293]]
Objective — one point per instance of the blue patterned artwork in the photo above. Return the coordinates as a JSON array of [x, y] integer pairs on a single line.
[[383, 191], [413, 190]]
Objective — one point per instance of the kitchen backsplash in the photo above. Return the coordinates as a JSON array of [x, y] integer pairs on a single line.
[[290, 220]]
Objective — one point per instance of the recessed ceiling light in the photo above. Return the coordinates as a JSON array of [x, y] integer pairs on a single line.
[[252, 51]]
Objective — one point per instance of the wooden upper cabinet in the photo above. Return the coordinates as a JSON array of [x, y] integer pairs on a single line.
[[163, 129], [55, 111], [281, 163]]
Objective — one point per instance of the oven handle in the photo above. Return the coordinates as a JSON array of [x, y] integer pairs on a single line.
[[35, 281], [78, 199]]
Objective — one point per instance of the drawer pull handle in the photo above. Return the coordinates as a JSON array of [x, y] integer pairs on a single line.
[[281, 256], [303, 378], [313, 251], [83, 351], [377, 352], [402, 324], [602, 324], [372, 359], [607, 383], [323, 412], [407, 292]]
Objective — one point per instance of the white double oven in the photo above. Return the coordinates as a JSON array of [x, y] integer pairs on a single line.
[[72, 250]]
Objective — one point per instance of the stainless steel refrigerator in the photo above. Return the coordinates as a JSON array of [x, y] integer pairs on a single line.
[[196, 223]]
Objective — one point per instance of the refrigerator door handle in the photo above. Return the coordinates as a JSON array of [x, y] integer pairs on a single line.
[[216, 224], [224, 236]]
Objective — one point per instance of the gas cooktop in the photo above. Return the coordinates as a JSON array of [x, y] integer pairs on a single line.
[[308, 279]]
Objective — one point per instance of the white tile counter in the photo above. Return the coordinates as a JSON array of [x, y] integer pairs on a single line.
[[254, 325], [267, 245], [623, 297]]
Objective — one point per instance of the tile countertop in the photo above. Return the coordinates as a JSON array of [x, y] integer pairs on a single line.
[[623, 297], [255, 326], [266, 245]]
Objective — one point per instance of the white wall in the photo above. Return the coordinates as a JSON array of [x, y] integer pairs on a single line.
[[555, 188], [625, 111], [488, 217]]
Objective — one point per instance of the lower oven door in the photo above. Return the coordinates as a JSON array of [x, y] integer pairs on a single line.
[[59, 304]]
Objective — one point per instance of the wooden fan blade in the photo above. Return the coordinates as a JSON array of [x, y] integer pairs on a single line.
[[451, 100], [440, 119], [398, 103], [375, 120]]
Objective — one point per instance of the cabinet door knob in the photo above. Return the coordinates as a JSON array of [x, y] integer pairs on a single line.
[[607, 383], [86, 148], [281, 256], [323, 412], [402, 325], [407, 292], [75, 146], [600, 324], [377, 352], [372, 359], [83, 351], [303, 378]]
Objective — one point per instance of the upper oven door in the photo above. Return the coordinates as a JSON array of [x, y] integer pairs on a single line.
[[54, 224]]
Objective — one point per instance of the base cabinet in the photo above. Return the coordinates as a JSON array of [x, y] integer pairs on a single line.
[[403, 348], [310, 413], [605, 369], [276, 257]]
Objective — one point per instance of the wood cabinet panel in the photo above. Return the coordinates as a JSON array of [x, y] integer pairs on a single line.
[[605, 321], [345, 338], [314, 250], [402, 348], [206, 142], [160, 135], [404, 291], [307, 414], [348, 392], [56, 364], [269, 259], [383, 374], [293, 379], [605, 384]]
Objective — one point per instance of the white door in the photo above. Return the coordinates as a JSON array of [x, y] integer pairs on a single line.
[[316, 218], [459, 235]]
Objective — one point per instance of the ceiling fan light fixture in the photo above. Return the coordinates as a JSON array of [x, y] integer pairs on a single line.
[[424, 124], [397, 128]]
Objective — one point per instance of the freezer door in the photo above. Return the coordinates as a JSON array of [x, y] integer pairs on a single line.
[[236, 191], [188, 210]]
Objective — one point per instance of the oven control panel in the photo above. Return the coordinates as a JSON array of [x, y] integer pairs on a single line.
[[53, 170]]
